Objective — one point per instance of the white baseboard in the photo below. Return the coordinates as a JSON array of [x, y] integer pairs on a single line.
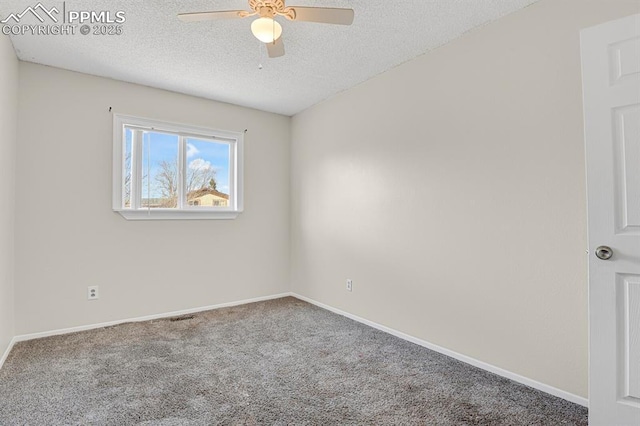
[[466, 359], [31, 336], [6, 352], [472, 361]]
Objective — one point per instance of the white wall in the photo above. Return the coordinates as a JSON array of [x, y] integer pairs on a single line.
[[67, 237], [8, 141], [451, 190]]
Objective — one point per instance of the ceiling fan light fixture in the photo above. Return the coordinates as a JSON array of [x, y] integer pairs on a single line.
[[266, 29]]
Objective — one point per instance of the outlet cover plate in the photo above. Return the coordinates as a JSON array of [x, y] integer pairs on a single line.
[[92, 292]]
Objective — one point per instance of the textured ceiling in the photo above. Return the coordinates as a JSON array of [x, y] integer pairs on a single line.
[[220, 59]]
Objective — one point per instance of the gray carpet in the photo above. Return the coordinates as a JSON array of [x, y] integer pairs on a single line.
[[281, 362]]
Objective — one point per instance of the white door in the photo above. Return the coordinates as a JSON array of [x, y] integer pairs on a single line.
[[611, 88]]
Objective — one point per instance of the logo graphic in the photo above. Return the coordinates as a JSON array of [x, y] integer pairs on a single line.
[[34, 11], [52, 22]]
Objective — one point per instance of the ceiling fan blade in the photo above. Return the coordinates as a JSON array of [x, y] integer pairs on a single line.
[[326, 15], [275, 49], [210, 16]]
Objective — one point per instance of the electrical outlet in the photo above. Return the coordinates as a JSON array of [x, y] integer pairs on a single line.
[[349, 285], [92, 292]]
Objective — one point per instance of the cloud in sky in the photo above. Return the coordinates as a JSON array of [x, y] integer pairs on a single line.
[[191, 150], [200, 164]]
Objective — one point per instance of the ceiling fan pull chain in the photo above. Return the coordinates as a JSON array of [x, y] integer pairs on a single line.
[[261, 55]]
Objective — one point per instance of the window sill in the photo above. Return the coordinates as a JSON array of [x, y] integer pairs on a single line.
[[165, 214]]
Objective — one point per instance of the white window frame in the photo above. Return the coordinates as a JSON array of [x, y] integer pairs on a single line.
[[183, 131]]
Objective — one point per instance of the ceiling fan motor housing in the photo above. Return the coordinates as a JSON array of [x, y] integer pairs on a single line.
[[270, 8]]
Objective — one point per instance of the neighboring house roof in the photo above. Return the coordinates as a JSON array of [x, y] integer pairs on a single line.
[[206, 191]]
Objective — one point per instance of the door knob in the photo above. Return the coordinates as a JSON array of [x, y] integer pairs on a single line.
[[604, 252]]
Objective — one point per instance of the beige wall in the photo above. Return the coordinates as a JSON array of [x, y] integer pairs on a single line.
[[8, 142], [452, 191], [68, 238]]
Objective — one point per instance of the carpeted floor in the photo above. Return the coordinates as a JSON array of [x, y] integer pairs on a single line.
[[281, 362]]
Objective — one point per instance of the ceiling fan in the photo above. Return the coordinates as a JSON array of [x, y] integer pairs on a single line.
[[266, 28]]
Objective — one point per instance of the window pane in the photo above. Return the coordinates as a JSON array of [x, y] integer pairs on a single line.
[[159, 170], [126, 187], [207, 179]]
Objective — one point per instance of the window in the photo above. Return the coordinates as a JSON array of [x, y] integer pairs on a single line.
[[173, 171]]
